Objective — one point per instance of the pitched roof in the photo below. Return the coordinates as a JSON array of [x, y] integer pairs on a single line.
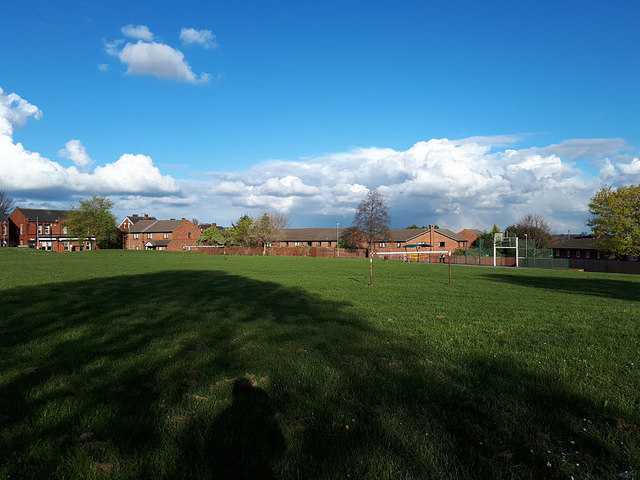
[[42, 215], [307, 234], [474, 231], [581, 241], [156, 226], [450, 234]]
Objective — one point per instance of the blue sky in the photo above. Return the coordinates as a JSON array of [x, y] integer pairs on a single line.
[[463, 114]]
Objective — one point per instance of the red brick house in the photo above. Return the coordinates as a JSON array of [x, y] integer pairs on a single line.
[[161, 235], [471, 234], [131, 220], [44, 229]]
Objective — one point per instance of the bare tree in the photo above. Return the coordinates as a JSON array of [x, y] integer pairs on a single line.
[[534, 226], [372, 218], [7, 205], [266, 228]]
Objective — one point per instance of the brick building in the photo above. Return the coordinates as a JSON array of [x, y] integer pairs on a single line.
[[131, 220], [576, 246], [397, 239], [161, 235], [471, 234], [44, 229]]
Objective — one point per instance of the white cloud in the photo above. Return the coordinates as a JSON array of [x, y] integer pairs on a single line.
[[140, 32], [455, 183], [103, 67], [157, 59], [204, 38], [24, 171], [75, 151], [14, 112]]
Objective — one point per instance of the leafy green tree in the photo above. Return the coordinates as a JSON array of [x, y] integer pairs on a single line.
[[93, 217], [240, 232], [266, 228], [212, 236], [616, 220]]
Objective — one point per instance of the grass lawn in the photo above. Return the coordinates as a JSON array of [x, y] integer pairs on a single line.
[[163, 365]]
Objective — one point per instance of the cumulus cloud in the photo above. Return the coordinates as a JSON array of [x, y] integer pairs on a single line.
[[454, 183], [75, 151], [24, 171], [147, 57], [141, 32], [204, 38]]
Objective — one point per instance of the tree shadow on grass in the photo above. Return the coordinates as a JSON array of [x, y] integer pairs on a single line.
[[202, 374], [600, 287]]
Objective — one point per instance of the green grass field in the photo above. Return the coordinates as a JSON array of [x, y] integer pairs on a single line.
[[161, 365]]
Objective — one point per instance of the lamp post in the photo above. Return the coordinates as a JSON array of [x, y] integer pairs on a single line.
[[526, 244], [338, 238]]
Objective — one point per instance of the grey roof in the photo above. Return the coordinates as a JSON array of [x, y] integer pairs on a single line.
[[43, 215], [136, 218], [450, 234], [329, 234], [307, 234], [581, 241], [156, 226], [475, 231]]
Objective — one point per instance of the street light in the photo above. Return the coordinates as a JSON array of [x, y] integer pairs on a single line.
[[526, 244]]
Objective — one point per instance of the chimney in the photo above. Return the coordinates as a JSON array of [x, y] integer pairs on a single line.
[[213, 224], [146, 215]]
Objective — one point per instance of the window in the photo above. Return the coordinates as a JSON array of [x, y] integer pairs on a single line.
[[135, 236], [382, 244], [47, 229], [149, 235], [269, 244], [557, 253], [4, 229], [21, 229], [40, 229], [66, 246], [598, 254], [577, 253], [587, 254], [166, 235], [64, 229], [399, 244], [568, 253], [137, 247], [297, 244], [189, 235]]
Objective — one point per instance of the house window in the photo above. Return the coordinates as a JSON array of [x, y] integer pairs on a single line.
[[399, 244], [598, 254], [66, 246], [166, 235], [135, 236], [587, 254], [39, 229], [47, 229], [557, 253], [382, 244], [189, 235], [149, 235], [21, 229], [568, 253], [297, 244], [441, 244], [577, 253], [4, 229], [137, 248], [269, 244], [64, 229]]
